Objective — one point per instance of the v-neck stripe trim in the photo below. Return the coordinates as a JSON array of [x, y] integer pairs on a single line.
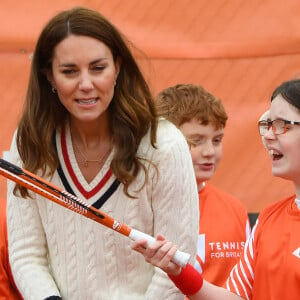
[[113, 187], [81, 189]]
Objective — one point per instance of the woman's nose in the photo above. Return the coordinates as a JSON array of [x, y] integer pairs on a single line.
[[86, 82]]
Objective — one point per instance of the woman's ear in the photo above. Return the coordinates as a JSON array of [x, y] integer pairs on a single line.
[[118, 66], [51, 81]]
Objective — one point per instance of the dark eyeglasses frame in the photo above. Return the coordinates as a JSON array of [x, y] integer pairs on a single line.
[[262, 126]]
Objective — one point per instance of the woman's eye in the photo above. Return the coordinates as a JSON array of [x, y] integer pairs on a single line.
[[68, 71], [99, 68]]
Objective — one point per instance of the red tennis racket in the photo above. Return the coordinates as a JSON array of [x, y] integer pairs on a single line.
[[63, 198]]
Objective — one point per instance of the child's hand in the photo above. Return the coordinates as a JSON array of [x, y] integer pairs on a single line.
[[158, 254]]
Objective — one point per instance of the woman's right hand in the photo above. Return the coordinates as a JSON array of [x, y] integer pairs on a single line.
[[159, 254]]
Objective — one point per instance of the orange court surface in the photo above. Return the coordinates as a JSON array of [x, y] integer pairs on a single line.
[[238, 50]]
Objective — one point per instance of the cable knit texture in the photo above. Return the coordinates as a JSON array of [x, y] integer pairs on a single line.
[[56, 252]]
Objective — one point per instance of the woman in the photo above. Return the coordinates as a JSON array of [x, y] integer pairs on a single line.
[[89, 125], [270, 266]]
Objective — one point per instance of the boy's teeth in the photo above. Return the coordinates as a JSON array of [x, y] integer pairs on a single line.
[[271, 152]]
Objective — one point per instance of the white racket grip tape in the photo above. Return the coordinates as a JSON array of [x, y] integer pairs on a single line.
[[180, 258]]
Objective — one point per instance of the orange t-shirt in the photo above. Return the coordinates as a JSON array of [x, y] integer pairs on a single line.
[[271, 256], [224, 229], [8, 289]]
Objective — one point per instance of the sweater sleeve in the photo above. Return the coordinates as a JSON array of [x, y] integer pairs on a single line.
[[175, 205], [27, 244]]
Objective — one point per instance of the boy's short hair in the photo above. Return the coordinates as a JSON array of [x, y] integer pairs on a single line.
[[183, 102]]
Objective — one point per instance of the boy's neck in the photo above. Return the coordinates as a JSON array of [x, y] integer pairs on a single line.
[[201, 185]]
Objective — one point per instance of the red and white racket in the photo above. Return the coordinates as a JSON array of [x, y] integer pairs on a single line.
[[63, 198]]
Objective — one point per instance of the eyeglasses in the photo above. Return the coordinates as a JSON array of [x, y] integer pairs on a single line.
[[278, 126]]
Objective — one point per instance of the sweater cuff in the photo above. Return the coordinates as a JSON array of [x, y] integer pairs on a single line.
[[189, 281]]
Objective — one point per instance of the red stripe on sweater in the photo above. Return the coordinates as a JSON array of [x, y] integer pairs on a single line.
[[86, 194]]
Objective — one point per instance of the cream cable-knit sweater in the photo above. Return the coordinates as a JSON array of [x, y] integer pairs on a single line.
[[54, 251]]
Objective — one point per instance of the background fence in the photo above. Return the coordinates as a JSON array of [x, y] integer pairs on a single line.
[[238, 50]]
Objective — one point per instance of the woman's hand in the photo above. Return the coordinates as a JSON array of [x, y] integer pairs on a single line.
[[159, 254]]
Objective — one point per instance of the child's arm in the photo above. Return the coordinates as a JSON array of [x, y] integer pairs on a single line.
[[188, 280]]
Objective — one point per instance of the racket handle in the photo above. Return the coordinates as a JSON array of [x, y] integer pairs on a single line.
[[180, 258]]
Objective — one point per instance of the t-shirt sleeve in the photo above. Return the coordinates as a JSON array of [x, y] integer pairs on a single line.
[[241, 278]]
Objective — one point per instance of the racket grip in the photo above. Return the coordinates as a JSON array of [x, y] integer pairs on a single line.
[[180, 258]]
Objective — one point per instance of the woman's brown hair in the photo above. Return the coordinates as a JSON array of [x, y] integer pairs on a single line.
[[132, 111]]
